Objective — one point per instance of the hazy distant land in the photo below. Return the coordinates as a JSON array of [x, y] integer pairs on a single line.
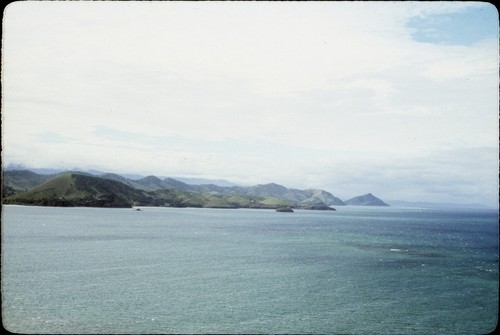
[[70, 188]]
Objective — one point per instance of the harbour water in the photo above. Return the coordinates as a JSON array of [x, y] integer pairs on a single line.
[[357, 270]]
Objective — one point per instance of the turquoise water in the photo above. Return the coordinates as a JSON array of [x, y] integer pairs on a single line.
[[183, 270]]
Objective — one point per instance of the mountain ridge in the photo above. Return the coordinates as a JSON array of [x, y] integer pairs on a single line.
[[152, 190], [366, 200], [72, 189]]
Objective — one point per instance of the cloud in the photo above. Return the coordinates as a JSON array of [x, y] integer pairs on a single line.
[[463, 175], [325, 93]]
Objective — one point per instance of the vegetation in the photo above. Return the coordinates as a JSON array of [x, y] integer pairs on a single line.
[[74, 189], [111, 190], [71, 189], [366, 200], [21, 181]]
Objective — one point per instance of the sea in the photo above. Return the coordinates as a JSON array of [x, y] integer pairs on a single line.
[[356, 270]]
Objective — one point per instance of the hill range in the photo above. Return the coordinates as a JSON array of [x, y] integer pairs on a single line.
[[113, 190]]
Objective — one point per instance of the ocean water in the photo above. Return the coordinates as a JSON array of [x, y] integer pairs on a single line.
[[183, 270]]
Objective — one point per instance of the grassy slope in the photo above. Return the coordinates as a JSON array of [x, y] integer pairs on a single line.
[[73, 189], [18, 181], [76, 189], [70, 189]]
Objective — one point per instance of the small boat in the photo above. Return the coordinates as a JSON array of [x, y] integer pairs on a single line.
[[284, 210]]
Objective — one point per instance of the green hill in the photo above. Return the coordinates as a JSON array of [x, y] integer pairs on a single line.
[[218, 196], [83, 189], [314, 197], [365, 200], [75, 189], [113, 190], [72, 189], [301, 198], [17, 181]]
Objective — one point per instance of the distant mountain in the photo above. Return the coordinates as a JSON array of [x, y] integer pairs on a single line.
[[150, 183], [317, 197], [170, 183], [15, 181], [152, 190], [84, 190], [49, 171], [272, 190], [302, 197], [20, 167], [365, 200], [204, 181], [116, 177], [130, 176], [73, 189]]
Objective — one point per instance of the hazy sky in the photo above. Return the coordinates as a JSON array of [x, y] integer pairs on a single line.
[[395, 98]]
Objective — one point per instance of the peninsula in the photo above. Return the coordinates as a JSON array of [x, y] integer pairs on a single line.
[[113, 190]]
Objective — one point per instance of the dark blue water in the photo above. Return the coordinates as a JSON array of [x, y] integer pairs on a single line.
[[166, 270]]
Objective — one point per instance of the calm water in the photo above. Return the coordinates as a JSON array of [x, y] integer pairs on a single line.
[[171, 270]]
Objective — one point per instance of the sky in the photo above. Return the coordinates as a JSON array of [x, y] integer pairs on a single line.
[[399, 99]]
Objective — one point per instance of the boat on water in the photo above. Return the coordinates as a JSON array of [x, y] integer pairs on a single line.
[[284, 210]]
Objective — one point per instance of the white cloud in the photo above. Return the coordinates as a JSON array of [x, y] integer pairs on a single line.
[[295, 84]]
